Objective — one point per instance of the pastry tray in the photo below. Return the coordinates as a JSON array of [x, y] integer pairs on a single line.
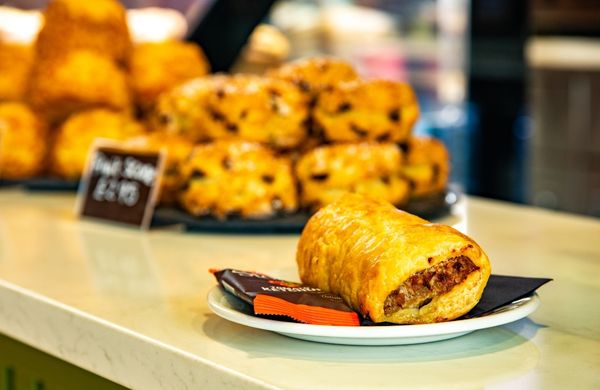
[[430, 207], [50, 184], [10, 183], [42, 184]]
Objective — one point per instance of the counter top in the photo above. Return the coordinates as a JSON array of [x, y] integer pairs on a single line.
[[131, 306]]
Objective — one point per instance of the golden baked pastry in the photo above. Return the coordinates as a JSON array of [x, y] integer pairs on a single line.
[[182, 109], [246, 107], [78, 80], [362, 110], [329, 171], [315, 74], [22, 142], [176, 150], [15, 64], [237, 178], [255, 108], [76, 135], [158, 66], [266, 46], [391, 266], [427, 165], [99, 25]]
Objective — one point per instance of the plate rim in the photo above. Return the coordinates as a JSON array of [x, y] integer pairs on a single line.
[[522, 309]]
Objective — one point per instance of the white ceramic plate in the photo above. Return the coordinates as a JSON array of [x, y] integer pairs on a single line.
[[233, 309]]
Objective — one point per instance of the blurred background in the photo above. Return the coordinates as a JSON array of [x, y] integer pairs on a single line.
[[512, 87]]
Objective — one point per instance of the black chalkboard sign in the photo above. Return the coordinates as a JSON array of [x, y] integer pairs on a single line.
[[121, 185]]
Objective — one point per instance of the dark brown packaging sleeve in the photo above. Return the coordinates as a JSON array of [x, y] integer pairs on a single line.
[[279, 297]]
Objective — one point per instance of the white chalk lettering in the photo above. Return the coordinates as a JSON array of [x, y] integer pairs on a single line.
[[106, 166], [125, 192], [129, 193], [134, 169], [105, 190]]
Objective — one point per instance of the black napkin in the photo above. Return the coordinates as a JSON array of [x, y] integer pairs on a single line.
[[502, 290]]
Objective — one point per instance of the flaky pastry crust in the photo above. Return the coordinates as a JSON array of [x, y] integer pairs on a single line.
[[364, 250]]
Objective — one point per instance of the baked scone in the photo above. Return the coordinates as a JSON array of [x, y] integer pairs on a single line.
[[155, 67], [76, 135], [362, 110], [255, 108], [237, 178], [15, 64], [389, 265], [99, 25], [329, 171], [315, 74], [22, 142], [427, 165], [270, 111], [79, 80], [176, 150], [182, 109]]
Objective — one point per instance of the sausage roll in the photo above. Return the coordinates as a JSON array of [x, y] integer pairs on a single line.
[[389, 265]]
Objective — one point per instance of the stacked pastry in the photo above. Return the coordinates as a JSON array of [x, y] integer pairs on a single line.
[[341, 134], [237, 178], [83, 79], [255, 146]]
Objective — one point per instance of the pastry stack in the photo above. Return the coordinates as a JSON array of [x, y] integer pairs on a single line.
[[82, 79], [322, 131], [253, 146]]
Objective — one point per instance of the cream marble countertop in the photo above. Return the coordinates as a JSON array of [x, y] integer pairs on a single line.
[[131, 306]]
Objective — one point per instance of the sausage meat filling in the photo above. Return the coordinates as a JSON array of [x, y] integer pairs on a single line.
[[418, 290]]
